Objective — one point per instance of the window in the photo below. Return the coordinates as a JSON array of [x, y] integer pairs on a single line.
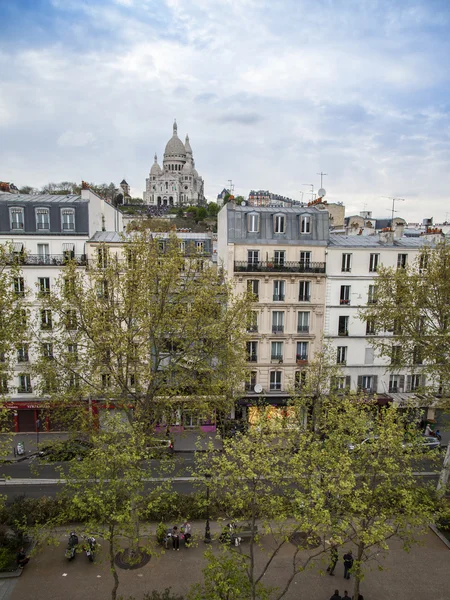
[[402, 259], [300, 379], [161, 246], [345, 294], [74, 380], [71, 320], [305, 258], [251, 381], [371, 296], [414, 382], [396, 383], [275, 381], [370, 326], [253, 287], [42, 218], [276, 352], [102, 258], [304, 291], [303, 322], [44, 285], [3, 384], [200, 246], [43, 253], [16, 218], [279, 257], [368, 356], [19, 286], [341, 355], [25, 384], [252, 351], [278, 290], [305, 224], [102, 289], [252, 223], [341, 383], [106, 380], [72, 350], [396, 355], [252, 257], [47, 350], [373, 262], [343, 325], [253, 322], [302, 351], [423, 262], [346, 263], [68, 219], [278, 224], [46, 319], [368, 383], [277, 321], [417, 355], [22, 353]]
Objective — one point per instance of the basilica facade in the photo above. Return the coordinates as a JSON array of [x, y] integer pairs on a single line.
[[177, 183]]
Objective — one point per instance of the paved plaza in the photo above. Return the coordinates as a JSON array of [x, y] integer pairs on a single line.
[[422, 574]]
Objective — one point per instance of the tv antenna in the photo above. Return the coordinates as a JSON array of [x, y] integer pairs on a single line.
[[393, 211], [311, 185], [231, 184], [322, 175]]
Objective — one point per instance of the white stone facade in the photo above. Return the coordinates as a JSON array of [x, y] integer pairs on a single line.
[[177, 183]]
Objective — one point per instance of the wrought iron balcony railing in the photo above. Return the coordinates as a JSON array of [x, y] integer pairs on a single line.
[[280, 267], [48, 259]]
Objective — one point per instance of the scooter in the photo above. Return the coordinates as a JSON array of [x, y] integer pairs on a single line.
[[72, 546], [89, 547]]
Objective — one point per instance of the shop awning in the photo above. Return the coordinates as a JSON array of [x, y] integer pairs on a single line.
[[68, 247], [18, 247]]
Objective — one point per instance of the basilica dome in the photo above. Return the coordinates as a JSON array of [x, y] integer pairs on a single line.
[[156, 169], [175, 146]]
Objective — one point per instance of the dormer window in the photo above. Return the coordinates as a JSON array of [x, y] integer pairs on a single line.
[[305, 224], [16, 217], [253, 223], [42, 219], [279, 224], [68, 219]]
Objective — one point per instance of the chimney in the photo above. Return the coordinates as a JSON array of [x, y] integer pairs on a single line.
[[399, 230], [387, 237]]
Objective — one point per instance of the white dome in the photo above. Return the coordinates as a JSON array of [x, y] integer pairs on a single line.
[[156, 169], [174, 147]]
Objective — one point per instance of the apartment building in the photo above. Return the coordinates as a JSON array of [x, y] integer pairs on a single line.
[[46, 230], [352, 263], [278, 254]]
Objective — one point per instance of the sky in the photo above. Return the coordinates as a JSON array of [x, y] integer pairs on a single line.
[[271, 92]]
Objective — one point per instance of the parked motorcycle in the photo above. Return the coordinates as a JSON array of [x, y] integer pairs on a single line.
[[89, 547], [72, 546]]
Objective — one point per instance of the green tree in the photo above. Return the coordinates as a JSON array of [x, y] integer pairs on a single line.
[[410, 314], [145, 329], [27, 189], [213, 209], [106, 491]]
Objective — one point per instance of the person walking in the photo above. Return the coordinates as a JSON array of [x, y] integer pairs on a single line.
[[175, 538], [336, 596], [348, 564], [187, 533], [333, 558], [346, 596]]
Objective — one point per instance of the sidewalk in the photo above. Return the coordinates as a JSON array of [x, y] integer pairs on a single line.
[[421, 574]]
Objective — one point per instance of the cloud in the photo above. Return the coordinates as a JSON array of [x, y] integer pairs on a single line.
[[270, 93], [76, 139]]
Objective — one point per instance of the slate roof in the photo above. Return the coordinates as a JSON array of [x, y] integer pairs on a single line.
[[373, 241], [43, 198]]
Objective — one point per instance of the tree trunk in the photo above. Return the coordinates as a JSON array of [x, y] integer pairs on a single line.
[[357, 572], [112, 565], [445, 473]]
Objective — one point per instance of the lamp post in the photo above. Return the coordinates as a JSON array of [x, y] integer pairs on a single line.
[[207, 539]]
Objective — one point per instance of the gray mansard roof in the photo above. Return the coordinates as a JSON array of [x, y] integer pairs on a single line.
[[373, 241], [42, 198]]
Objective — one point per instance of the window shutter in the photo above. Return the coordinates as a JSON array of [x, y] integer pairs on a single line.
[[375, 384], [408, 383], [360, 382], [348, 381], [402, 383]]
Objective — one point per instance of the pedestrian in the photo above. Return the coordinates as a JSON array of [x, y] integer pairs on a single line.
[[187, 528], [333, 560], [428, 431], [348, 564], [22, 558], [346, 596], [360, 597], [175, 538], [336, 596]]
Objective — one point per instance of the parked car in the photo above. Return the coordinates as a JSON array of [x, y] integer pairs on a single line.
[[66, 450], [424, 442], [160, 446]]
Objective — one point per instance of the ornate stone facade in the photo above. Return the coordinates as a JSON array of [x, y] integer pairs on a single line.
[[177, 183]]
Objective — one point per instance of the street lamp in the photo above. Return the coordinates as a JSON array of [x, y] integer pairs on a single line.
[[207, 539]]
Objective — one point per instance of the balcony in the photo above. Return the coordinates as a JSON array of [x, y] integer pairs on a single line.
[[343, 332], [304, 298], [43, 225], [15, 225], [252, 329], [278, 267], [47, 259], [344, 301], [252, 358], [24, 390], [277, 328], [302, 328], [278, 297], [276, 358], [68, 226], [302, 359], [275, 387]]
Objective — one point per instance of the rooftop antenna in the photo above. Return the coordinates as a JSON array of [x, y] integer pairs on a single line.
[[230, 181], [311, 185], [394, 200], [322, 175]]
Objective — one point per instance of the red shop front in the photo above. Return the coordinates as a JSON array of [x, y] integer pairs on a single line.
[[27, 416]]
